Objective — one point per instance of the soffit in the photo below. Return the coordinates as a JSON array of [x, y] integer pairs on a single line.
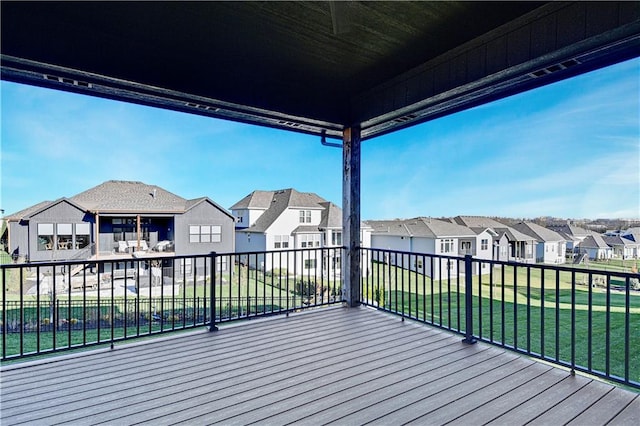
[[312, 67]]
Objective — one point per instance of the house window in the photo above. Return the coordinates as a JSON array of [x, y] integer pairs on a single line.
[[82, 235], [309, 263], [336, 238], [446, 246], [65, 236], [418, 263], [205, 233], [503, 249], [305, 216], [484, 244], [281, 241], [336, 262], [45, 236], [238, 219], [309, 240]]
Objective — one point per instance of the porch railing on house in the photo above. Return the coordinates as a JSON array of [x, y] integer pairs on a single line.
[[49, 307], [584, 319]]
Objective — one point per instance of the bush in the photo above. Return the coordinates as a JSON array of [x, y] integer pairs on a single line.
[[304, 288]]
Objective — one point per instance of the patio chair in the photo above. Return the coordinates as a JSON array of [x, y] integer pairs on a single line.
[[123, 247]]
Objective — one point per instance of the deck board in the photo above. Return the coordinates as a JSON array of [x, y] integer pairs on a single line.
[[335, 365]]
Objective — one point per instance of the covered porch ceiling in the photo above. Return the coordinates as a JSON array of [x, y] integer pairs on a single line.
[[312, 67]]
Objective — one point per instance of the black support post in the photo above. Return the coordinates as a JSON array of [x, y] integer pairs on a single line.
[[468, 300]]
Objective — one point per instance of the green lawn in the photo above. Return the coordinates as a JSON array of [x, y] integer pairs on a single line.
[[523, 316]]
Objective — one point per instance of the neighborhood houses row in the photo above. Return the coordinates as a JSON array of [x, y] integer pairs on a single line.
[[120, 220]]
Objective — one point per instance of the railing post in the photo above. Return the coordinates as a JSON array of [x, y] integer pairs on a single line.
[[212, 294], [468, 300]]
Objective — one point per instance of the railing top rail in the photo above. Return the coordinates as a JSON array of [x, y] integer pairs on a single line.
[[541, 266]]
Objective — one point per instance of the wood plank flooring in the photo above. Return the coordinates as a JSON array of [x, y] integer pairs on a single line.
[[330, 366]]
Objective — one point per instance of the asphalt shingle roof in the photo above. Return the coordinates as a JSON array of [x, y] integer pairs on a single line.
[[331, 216], [25, 213], [277, 204], [420, 227], [594, 241], [540, 233], [129, 196], [478, 222], [255, 200], [126, 197], [617, 240]]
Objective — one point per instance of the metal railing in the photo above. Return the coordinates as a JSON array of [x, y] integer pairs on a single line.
[[55, 306], [584, 319]]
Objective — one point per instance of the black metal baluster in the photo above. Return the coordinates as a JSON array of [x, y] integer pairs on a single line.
[[557, 315], [515, 307]]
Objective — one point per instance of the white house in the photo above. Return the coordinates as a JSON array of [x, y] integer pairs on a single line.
[[287, 219], [509, 244], [432, 237], [596, 247], [551, 246], [623, 248]]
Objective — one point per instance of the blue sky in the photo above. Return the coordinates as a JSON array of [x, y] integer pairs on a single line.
[[570, 150]]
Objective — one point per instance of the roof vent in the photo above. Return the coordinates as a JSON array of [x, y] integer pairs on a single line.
[[204, 107], [554, 68], [68, 81], [288, 123], [405, 118]]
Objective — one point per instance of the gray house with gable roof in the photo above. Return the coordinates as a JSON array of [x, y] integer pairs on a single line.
[[120, 220], [623, 248], [596, 247], [551, 247]]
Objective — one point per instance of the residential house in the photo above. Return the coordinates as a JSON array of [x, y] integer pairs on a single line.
[[632, 234], [596, 247], [574, 235], [288, 219], [120, 220], [430, 236], [551, 247], [508, 244], [623, 248]]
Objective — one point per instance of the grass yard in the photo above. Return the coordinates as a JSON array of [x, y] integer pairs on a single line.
[[536, 318]]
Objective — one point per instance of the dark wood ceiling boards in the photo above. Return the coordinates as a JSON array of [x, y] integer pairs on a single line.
[[311, 66]]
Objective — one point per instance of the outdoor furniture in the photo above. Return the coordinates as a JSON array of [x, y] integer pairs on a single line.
[[123, 247], [133, 245], [162, 246]]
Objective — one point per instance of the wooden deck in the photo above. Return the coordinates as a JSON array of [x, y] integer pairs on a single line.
[[336, 365]]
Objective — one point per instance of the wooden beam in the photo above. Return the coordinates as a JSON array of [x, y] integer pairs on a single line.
[[351, 215]]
